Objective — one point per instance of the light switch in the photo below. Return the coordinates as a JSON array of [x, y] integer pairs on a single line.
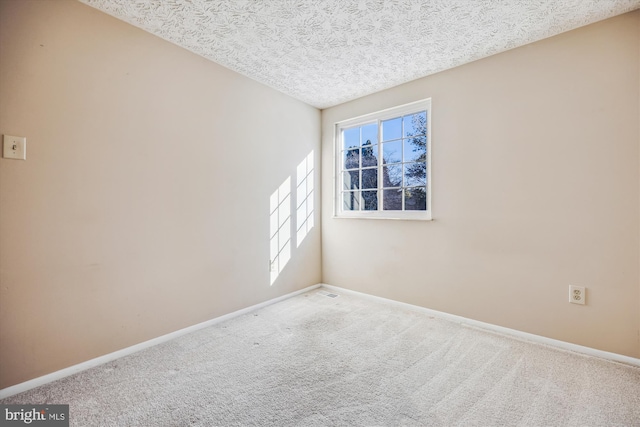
[[14, 147]]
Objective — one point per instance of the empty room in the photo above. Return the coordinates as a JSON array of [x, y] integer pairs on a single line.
[[320, 212]]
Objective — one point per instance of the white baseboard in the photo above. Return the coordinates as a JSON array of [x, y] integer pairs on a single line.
[[500, 329], [45, 379]]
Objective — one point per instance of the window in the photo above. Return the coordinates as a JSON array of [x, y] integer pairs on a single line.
[[383, 164]]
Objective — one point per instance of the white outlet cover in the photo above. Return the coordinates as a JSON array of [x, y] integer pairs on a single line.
[[577, 294], [14, 147]]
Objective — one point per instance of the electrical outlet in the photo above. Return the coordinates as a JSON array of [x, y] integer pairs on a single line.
[[577, 294]]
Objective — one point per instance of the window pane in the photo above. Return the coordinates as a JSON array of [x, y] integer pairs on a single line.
[[392, 176], [351, 138], [415, 174], [352, 159], [392, 200], [415, 199], [350, 180], [415, 124], [381, 166], [392, 152], [369, 156], [415, 149], [370, 199], [370, 134], [351, 201], [392, 129], [370, 178]]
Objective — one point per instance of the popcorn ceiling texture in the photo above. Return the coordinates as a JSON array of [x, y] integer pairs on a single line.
[[325, 52]]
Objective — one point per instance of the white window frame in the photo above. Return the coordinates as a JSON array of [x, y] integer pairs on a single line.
[[378, 117]]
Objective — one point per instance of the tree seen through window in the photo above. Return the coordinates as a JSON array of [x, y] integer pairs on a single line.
[[399, 180]]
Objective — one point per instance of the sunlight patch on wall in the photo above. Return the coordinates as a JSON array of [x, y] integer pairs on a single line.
[[304, 198], [280, 228]]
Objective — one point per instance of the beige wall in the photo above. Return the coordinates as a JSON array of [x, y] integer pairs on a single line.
[[535, 187], [143, 205]]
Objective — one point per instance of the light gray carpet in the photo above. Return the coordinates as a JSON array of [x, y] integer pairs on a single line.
[[314, 360]]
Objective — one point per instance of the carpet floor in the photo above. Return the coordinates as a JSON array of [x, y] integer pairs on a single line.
[[314, 360]]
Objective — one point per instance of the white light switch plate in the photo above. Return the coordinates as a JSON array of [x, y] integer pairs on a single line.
[[14, 147]]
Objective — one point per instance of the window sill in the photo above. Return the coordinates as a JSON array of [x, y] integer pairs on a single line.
[[401, 217]]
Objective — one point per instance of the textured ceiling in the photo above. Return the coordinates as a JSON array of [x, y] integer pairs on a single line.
[[325, 52]]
